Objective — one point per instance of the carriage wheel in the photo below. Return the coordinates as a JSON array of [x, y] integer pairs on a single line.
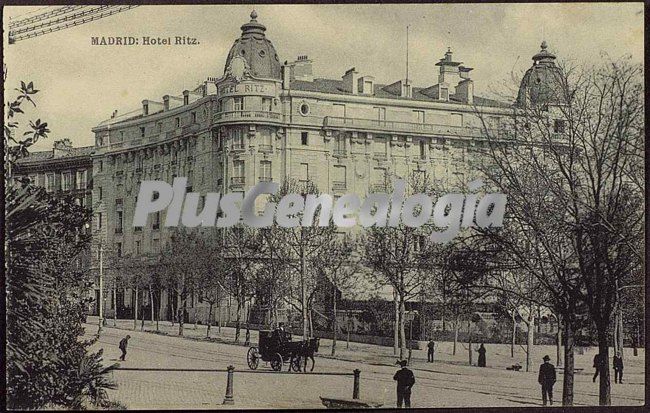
[[295, 364], [252, 358], [276, 362]]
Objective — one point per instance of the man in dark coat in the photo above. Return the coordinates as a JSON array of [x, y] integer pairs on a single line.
[[123, 344], [432, 347], [481, 355], [599, 363], [618, 368], [405, 381], [546, 378]]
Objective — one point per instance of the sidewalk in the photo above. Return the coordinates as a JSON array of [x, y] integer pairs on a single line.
[[498, 355]]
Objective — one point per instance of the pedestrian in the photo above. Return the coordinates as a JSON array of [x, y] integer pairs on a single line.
[[432, 349], [618, 368], [546, 378], [123, 343], [247, 342], [405, 381], [599, 363], [481, 355]]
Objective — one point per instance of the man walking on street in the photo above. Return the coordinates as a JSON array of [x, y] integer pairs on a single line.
[[431, 347], [546, 378], [405, 381], [123, 343], [599, 363], [618, 368]]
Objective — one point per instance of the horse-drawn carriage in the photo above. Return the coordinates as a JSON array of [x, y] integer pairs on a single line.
[[276, 348]]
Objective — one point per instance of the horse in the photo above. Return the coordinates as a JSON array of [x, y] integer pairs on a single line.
[[306, 351]]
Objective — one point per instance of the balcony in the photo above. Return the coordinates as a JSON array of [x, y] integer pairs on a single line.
[[401, 127], [266, 148], [238, 147], [190, 129], [248, 115], [265, 179], [340, 153], [237, 181], [339, 185]]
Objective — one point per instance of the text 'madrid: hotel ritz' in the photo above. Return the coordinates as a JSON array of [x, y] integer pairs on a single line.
[[267, 121]]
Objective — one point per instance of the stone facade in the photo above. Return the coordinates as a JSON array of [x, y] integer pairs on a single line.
[[266, 121]]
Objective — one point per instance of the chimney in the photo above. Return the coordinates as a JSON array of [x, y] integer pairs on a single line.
[[166, 103], [301, 69], [62, 147], [465, 91], [186, 97], [350, 81], [145, 107]]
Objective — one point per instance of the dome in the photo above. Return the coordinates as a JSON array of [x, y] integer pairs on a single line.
[[543, 83], [257, 50]]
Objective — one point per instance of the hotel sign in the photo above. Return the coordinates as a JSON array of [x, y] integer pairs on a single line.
[[247, 88]]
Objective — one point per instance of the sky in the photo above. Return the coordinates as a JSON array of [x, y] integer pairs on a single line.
[[81, 85]]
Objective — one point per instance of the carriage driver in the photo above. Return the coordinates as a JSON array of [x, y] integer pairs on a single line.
[[279, 334]]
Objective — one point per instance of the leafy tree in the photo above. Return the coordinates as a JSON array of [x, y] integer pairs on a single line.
[[47, 363]]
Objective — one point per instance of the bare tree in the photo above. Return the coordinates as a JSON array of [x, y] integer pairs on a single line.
[[568, 164]]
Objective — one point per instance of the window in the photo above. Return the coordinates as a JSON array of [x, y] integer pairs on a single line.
[[49, 182], [81, 179], [137, 247], [340, 143], [444, 93], [100, 141], [239, 169], [238, 104], [155, 245], [419, 116], [119, 222], [381, 114], [100, 193], [379, 146], [118, 249], [559, 126], [266, 104], [99, 220], [265, 171], [379, 180], [304, 109], [304, 172], [193, 117], [66, 181], [338, 177], [177, 122], [237, 138], [156, 220], [303, 137], [338, 110], [100, 166], [142, 131], [423, 154], [367, 87]]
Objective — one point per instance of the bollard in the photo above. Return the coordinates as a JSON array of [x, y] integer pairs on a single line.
[[355, 389], [229, 399]]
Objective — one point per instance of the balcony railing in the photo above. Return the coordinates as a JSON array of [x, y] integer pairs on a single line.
[[266, 148], [238, 147], [408, 127], [338, 185], [237, 180], [265, 179], [247, 115], [340, 153]]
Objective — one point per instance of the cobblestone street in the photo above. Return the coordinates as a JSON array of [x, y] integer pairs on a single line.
[[441, 384]]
